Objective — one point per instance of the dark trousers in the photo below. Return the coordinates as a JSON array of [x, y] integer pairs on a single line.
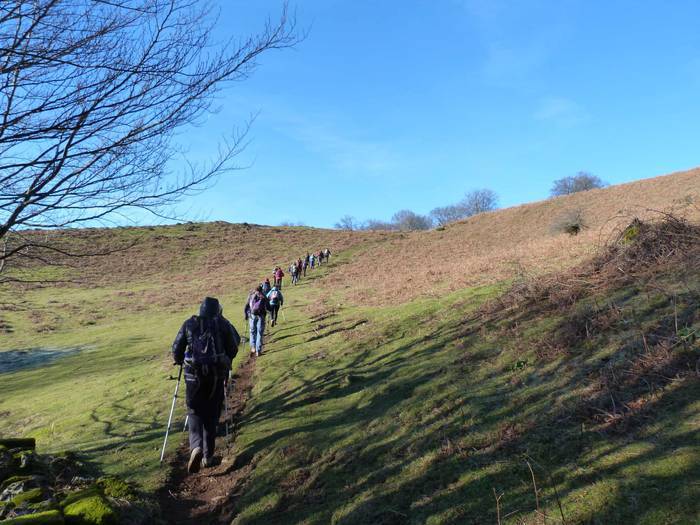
[[274, 310], [203, 433], [205, 395]]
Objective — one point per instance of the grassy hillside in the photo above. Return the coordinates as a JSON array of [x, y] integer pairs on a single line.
[[418, 378]]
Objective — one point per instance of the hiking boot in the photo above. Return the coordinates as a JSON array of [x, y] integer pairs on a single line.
[[210, 462], [195, 461]]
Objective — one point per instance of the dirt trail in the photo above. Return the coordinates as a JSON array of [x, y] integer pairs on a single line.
[[205, 498]]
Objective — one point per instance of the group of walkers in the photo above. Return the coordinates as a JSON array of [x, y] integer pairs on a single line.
[[206, 345], [298, 268]]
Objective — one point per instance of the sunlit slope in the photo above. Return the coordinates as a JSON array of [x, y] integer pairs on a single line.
[[573, 398], [110, 400], [494, 246]]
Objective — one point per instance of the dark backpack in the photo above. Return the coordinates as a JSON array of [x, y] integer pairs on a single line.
[[257, 304], [203, 349]]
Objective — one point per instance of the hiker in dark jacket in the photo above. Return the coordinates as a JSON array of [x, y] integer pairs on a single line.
[[327, 254], [266, 286], [305, 264], [255, 311], [206, 372], [275, 301]]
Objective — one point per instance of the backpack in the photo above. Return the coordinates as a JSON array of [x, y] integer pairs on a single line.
[[203, 350], [257, 304], [274, 296]]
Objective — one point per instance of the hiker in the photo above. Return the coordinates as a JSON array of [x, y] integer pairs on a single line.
[[327, 254], [255, 312], [266, 286], [275, 301], [311, 261], [293, 271], [320, 257], [305, 264], [299, 269], [278, 277], [206, 344]]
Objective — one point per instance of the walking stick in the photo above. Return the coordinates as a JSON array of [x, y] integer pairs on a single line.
[[187, 420], [170, 418]]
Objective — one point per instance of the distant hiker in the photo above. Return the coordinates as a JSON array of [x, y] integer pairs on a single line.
[[320, 257], [255, 311], [266, 286], [327, 254], [305, 264], [278, 277], [300, 266], [294, 273], [275, 301], [312, 260], [206, 344]]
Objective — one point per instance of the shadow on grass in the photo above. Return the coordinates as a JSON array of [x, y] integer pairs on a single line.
[[430, 431]]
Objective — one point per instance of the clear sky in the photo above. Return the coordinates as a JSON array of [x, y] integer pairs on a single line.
[[409, 104]]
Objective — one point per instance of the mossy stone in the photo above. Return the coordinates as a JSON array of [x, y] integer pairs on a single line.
[[88, 507], [50, 517], [28, 496], [115, 488], [13, 479]]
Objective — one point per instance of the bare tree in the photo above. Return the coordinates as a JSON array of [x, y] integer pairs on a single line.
[[478, 201], [377, 225], [473, 203], [347, 222], [92, 94], [445, 214], [582, 181], [406, 220]]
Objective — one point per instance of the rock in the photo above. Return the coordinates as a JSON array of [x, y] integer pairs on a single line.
[[88, 507], [49, 517], [8, 466], [14, 487], [23, 443]]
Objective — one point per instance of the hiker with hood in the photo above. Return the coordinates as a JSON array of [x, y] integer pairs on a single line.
[[255, 312], [278, 277], [275, 301], [266, 286], [206, 344]]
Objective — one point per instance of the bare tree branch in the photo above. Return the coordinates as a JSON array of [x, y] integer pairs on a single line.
[[92, 94]]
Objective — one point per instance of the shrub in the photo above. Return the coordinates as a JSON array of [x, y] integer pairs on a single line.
[[571, 222]]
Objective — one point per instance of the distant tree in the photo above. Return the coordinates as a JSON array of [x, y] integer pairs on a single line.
[[478, 201], [374, 224], [92, 94], [407, 220], [446, 214], [582, 181], [474, 202], [347, 222]]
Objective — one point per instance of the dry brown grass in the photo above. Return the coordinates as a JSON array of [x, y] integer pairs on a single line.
[[508, 243]]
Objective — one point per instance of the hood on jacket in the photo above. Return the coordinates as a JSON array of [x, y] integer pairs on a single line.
[[210, 307]]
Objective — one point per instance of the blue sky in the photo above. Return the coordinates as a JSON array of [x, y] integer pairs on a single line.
[[409, 104]]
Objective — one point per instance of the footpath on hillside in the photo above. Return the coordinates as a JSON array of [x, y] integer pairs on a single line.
[[208, 497]]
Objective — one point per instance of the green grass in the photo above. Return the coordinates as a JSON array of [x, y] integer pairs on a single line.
[[405, 413]]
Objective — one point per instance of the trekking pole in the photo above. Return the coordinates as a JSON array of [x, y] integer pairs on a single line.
[[170, 418], [187, 420], [284, 316]]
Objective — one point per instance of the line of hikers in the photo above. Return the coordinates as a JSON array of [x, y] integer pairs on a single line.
[[206, 345]]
